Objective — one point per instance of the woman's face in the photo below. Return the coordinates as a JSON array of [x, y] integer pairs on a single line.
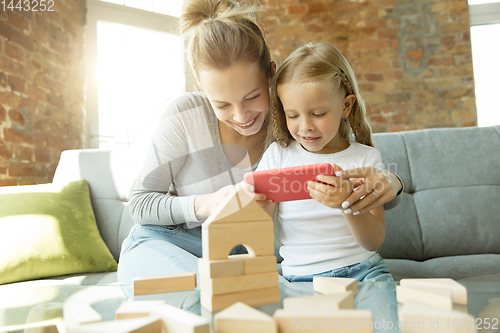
[[239, 96]]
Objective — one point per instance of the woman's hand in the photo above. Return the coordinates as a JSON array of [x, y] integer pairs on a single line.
[[205, 204], [331, 191], [372, 187]]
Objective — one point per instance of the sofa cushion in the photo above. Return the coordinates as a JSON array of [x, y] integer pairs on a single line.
[[470, 267], [49, 230], [111, 175], [452, 189]]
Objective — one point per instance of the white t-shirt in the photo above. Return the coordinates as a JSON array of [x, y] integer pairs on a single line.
[[315, 237]]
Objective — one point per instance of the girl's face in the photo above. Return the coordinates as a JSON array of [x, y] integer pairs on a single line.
[[313, 112], [239, 96]]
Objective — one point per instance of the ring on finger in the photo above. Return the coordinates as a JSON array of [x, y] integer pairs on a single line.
[[375, 194]]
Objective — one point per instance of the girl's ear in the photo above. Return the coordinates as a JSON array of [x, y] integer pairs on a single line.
[[348, 104]]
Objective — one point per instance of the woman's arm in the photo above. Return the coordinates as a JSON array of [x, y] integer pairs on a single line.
[[179, 166]]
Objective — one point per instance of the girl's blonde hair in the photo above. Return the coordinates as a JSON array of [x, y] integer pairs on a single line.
[[319, 62], [221, 33]]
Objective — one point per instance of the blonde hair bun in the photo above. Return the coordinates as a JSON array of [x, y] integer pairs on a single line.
[[221, 33], [198, 12]]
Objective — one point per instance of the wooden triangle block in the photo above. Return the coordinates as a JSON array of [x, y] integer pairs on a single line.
[[432, 296], [331, 285], [242, 318], [458, 291], [417, 317], [176, 320], [239, 206], [330, 302]]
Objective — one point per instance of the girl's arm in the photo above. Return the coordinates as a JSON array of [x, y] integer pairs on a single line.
[[368, 228]]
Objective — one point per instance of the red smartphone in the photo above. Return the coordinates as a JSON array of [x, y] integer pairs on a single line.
[[287, 184]]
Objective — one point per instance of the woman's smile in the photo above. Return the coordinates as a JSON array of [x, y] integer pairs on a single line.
[[247, 124]]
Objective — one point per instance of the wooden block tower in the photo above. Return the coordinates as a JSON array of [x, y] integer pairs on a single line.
[[251, 279]]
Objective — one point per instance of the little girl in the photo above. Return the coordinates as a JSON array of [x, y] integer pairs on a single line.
[[319, 116]]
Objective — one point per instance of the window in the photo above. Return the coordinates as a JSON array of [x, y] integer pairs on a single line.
[[135, 68], [485, 37]]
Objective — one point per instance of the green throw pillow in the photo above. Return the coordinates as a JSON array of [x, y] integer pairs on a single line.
[[49, 230]]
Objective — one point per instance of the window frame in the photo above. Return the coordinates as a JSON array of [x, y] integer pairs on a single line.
[[483, 14], [104, 11], [487, 13]]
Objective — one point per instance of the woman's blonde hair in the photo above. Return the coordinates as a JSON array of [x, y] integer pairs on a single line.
[[319, 62], [221, 33]]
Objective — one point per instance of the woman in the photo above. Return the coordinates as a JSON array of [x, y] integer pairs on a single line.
[[205, 143]]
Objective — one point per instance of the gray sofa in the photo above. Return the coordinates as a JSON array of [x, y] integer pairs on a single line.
[[447, 224]]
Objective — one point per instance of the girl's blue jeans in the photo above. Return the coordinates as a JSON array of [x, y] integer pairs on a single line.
[[373, 269]]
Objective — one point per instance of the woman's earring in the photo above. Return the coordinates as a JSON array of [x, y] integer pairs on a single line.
[[345, 119]]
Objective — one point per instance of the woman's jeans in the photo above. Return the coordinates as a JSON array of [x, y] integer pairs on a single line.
[[373, 269], [155, 249]]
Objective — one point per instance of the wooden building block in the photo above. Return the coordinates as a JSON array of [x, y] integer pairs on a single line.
[[249, 297], [416, 317], [289, 321], [437, 297], [458, 291], [254, 265], [239, 264], [242, 318], [330, 285], [176, 320], [238, 206], [219, 238], [133, 325], [80, 314], [136, 309], [220, 268], [330, 302], [164, 283], [232, 284]]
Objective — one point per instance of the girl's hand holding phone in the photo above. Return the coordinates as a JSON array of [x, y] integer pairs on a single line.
[[331, 191], [258, 197]]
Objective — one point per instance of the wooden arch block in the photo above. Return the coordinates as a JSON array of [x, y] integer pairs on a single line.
[[220, 238]]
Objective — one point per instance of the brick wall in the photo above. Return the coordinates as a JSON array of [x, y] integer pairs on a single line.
[[412, 58], [41, 90]]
